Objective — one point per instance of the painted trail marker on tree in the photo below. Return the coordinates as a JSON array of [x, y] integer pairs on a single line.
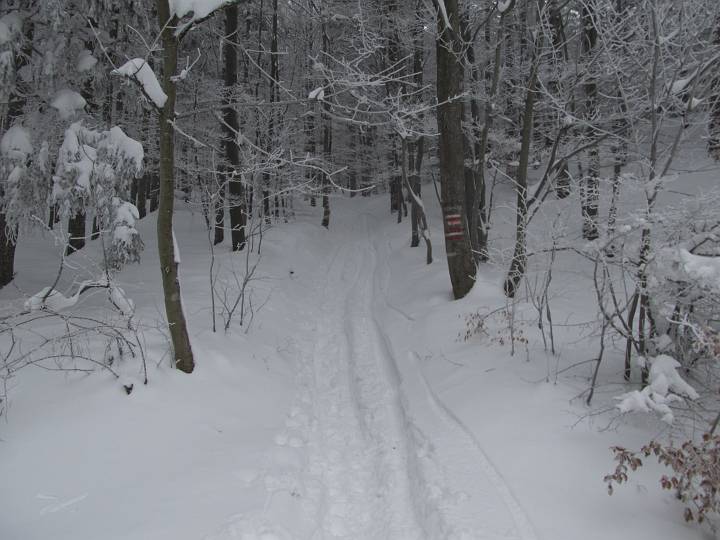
[[454, 228]]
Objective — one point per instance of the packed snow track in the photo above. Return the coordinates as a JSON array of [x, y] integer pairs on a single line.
[[368, 451]]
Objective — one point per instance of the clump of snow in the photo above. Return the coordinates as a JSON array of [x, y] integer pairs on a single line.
[[126, 245], [139, 70], [85, 61], [504, 5], [15, 143], [704, 269], [197, 9], [679, 86], [317, 94], [122, 301], [76, 163], [116, 143], [89, 157], [10, 27], [51, 299], [665, 386], [126, 213], [67, 102]]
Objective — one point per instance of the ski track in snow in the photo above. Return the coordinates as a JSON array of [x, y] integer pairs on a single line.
[[369, 451]]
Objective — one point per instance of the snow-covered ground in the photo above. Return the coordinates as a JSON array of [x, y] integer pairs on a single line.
[[351, 408]]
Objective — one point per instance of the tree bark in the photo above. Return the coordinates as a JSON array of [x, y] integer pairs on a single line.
[[231, 127], [590, 185], [714, 140], [461, 264], [7, 253], [169, 259], [327, 142], [519, 261]]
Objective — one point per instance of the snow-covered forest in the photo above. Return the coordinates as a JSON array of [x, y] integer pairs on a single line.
[[359, 269]]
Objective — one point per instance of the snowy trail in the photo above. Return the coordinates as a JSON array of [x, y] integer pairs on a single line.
[[369, 452], [349, 417]]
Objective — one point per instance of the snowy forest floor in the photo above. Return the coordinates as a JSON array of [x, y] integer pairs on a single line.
[[351, 407]]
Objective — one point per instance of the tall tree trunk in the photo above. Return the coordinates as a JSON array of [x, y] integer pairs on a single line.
[[482, 145], [7, 253], [238, 213], [561, 183], [590, 185], [714, 140], [519, 261], [169, 258], [416, 148], [327, 142], [461, 264]]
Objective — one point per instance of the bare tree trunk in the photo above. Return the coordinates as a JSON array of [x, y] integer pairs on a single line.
[[481, 149], [327, 142], [590, 193], [714, 140], [416, 148], [419, 217], [560, 52], [461, 264], [169, 258], [7, 253], [519, 261], [238, 215]]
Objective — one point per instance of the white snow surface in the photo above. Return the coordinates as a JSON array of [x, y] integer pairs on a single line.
[[67, 103], [139, 70], [347, 410]]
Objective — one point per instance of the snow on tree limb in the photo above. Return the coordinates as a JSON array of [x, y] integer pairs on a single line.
[[68, 102], [197, 9], [665, 387], [138, 70]]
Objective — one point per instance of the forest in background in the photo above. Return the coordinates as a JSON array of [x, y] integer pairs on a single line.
[[115, 109]]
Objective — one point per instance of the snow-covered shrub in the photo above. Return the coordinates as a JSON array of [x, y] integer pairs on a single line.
[[94, 171], [671, 300], [22, 164]]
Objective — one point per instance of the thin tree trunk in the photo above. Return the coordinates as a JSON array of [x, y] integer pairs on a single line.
[[461, 264], [169, 258], [417, 206], [7, 253], [327, 142], [481, 151], [714, 140], [560, 50], [590, 185], [231, 125], [519, 261]]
